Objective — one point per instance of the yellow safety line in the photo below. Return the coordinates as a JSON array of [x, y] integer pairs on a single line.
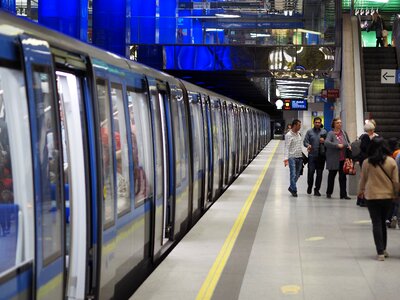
[[209, 284]]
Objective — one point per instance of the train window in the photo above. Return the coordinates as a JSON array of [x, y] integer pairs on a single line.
[[142, 143], [106, 150], [121, 150], [50, 162], [16, 186]]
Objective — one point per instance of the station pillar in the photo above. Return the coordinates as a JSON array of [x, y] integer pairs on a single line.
[[69, 17], [8, 5], [167, 24], [109, 25], [143, 21]]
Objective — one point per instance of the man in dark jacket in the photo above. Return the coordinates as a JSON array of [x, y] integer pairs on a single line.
[[314, 142]]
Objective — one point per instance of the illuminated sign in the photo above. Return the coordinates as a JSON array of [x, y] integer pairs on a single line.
[[295, 104]]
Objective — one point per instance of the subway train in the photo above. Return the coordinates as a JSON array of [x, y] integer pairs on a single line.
[[104, 164]]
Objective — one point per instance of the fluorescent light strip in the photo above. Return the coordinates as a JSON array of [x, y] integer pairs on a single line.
[[279, 81], [292, 91], [214, 29], [226, 16], [308, 31], [284, 87]]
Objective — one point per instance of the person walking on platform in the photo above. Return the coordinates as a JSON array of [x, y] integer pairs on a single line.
[[366, 138], [293, 155], [337, 143], [379, 174], [380, 31], [314, 142]]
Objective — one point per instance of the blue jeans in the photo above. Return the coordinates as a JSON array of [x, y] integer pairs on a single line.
[[295, 165]]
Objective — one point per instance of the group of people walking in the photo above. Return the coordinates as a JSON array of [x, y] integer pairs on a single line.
[[379, 179], [330, 148]]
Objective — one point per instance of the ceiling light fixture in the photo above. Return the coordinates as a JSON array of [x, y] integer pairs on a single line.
[[256, 35], [226, 16], [308, 31]]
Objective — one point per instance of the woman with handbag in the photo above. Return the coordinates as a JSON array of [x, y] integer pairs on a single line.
[[378, 185], [337, 144]]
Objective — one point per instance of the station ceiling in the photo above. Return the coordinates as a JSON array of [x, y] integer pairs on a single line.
[[241, 86]]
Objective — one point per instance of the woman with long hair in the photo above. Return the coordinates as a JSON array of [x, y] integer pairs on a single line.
[[379, 174]]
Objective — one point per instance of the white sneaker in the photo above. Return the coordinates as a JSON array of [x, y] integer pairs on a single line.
[[380, 257], [385, 253]]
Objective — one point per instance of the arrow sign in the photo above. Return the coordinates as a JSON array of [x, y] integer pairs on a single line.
[[388, 76]]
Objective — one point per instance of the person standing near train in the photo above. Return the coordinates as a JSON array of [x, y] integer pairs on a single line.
[[314, 142], [293, 155]]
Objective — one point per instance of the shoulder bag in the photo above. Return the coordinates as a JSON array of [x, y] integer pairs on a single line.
[[395, 185]]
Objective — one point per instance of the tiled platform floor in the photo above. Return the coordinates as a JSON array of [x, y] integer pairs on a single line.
[[299, 248]]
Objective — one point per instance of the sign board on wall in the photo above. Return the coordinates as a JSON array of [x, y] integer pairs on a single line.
[[295, 104], [390, 76], [330, 93]]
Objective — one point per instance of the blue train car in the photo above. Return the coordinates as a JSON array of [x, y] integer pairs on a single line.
[[104, 164]]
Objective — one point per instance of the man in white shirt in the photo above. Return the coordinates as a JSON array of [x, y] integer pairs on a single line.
[[293, 155]]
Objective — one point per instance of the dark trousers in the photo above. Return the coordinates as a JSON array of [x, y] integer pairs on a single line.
[[342, 181], [378, 210], [379, 41], [315, 165]]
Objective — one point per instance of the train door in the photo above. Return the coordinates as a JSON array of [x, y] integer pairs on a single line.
[[196, 118], [208, 153], [218, 147], [17, 200], [107, 204], [232, 141], [48, 175], [245, 144], [71, 87], [256, 133], [227, 145], [163, 204], [250, 132], [181, 159], [238, 139], [133, 140]]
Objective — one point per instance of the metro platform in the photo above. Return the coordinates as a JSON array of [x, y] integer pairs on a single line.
[[259, 242]]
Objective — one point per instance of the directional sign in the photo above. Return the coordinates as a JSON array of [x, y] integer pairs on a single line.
[[388, 76]]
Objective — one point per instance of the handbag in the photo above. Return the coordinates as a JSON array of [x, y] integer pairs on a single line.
[[395, 185], [385, 33], [348, 167], [305, 158]]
